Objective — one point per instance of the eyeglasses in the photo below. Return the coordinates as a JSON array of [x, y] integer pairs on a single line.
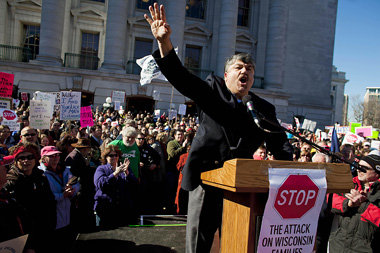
[[113, 155], [27, 135], [28, 157], [140, 139], [54, 155]]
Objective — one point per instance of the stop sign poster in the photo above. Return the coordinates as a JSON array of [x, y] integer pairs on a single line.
[[9, 119], [290, 220]]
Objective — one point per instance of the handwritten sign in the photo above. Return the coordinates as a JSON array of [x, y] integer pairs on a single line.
[[118, 96], [70, 105], [46, 97], [5, 103], [24, 96], [182, 109], [6, 84], [9, 119], [40, 114], [86, 116], [363, 131]]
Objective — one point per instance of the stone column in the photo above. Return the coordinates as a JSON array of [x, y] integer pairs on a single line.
[[227, 33], [175, 16], [52, 19], [116, 36], [3, 21], [276, 42]]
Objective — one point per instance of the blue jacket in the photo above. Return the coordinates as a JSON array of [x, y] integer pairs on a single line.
[[57, 186], [113, 192]]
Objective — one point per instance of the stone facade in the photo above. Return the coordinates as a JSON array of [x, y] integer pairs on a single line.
[[338, 100], [291, 40]]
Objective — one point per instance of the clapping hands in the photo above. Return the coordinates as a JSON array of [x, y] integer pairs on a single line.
[[356, 198], [122, 168]]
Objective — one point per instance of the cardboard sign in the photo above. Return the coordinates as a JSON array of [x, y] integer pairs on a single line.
[[182, 109], [354, 125], [24, 96], [363, 131], [10, 119], [15, 245], [6, 84], [86, 118], [350, 138], [295, 199], [70, 105], [46, 97], [375, 144], [40, 114], [118, 96]]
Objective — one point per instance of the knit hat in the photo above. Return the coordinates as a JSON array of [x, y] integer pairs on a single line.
[[374, 161]]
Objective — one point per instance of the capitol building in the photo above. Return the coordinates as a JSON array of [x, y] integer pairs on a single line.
[[92, 47]]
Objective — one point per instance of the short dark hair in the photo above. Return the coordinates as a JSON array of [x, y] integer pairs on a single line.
[[244, 57]]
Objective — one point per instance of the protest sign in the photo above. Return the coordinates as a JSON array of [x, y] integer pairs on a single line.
[[116, 105], [295, 199], [70, 105], [86, 116], [40, 114], [9, 119], [353, 125], [375, 144], [342, 129], [15, 245], [172, 114], [46, 97], [365, 131], [375, 134], [157, 113], [350, 138], [287, 126], [309, 125], [118, 96], [6, 84], [182, 109], [5, 103], [297, 121], [24, 96], [114, 123]]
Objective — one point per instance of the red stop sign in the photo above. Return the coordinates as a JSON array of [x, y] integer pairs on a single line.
[[296, 196]]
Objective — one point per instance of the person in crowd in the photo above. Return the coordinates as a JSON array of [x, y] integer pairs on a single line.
[[105, 144], [348, 153], [55, 131], [175, 149], [29, 134], [28, 185], [260, 153], [65, 147], [79, 162], [305, 156], [320, 158], [5, 136], [182, 196], [149, 168], [359, 212], [114, 197], [129, 149], [226, 131], [44, 140], [63, 190]]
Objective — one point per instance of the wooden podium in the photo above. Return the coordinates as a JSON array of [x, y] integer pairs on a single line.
[[245, 184]]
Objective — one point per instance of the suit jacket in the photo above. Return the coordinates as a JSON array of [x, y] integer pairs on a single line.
[[226, 130]]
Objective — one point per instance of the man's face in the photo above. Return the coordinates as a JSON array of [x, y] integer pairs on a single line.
[[140, 140], [239, 78], [369, 176], [178, 136], [306, 147], [97, 132], [129, 140], [29, 135], [5, 133]]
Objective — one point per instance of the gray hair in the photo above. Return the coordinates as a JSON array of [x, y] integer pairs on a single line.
[[129, 131], [244, 57], [320, 157]]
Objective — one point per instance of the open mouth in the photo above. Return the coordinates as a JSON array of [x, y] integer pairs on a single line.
[[243, 79]]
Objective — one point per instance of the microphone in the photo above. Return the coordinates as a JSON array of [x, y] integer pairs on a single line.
[[247, 100]]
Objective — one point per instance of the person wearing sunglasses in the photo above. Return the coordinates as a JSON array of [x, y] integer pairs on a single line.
[[59, 180], [358, 211], [29, 134], [114, 198], [30, 188]]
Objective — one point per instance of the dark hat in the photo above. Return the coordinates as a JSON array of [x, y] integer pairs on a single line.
[[82, 143], [374, 161]]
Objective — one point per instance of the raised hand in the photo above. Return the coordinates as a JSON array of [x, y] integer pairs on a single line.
[[160, 28], [355, 198]]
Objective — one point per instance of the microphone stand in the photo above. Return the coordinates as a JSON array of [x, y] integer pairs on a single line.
[[321, 149]]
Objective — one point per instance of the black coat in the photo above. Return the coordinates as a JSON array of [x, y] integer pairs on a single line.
[[227, 129]]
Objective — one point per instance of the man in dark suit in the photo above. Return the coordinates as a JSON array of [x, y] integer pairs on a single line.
[[226, 131]]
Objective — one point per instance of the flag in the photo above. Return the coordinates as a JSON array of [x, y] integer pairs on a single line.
[[334, 142]]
